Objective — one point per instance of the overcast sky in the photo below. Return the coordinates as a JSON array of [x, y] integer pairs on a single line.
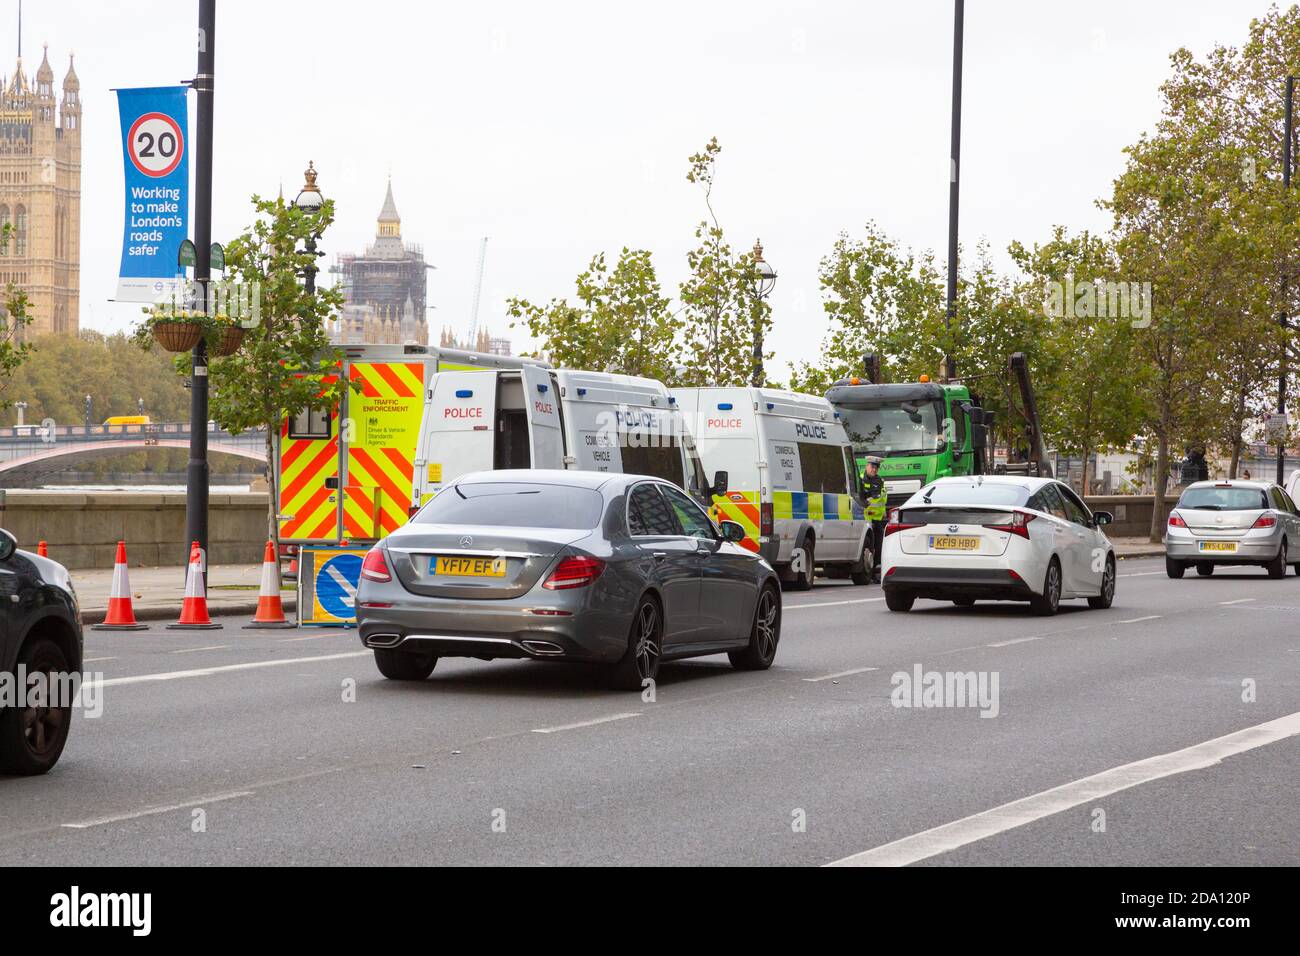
[[562, 129]]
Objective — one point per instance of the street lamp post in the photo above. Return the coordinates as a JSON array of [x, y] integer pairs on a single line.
[[310, 201], [90, 404], [765, 282], [1283, 318], [197, 472], [954, 184]]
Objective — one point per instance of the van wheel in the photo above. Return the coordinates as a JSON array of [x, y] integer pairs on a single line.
[[1277, 567], [404, 665], [864, 572], [32, 738], [1047, 603], [803, 580]]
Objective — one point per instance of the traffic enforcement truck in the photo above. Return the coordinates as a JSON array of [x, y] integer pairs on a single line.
[[346, 473], [925, 430], [534, 417]]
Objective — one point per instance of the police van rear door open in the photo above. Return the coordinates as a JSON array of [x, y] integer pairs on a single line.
[[542, 407]]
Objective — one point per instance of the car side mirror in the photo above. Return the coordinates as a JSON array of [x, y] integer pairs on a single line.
[[1100, 518], [719, 482], [8, 545], [733, 532]]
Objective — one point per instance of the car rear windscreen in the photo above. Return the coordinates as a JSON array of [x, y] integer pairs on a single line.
[[972, 493], [1223, 499], [514, 504]]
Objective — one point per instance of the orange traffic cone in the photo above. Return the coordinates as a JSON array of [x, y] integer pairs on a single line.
[[43, 550], [270, 612], [120, 616], [194, 609]]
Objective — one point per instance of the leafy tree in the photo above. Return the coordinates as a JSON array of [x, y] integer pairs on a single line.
[[1091, 395], [13, 319], [720, 301], [1200, 212], [622, 322], [286, 362]]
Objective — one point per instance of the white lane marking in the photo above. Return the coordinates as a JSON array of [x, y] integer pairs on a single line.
[[795, 607], [979, 826], [195, 650], [1140, 574], [1149, 617], [1018, 640], [227, 668], [582, 723], [856, 670], [309, 637], [344, 584], [151, 811], [96, 660], [1238, 601]]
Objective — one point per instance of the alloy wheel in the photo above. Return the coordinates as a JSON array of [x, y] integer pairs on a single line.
[[765, 624], [647, 640]]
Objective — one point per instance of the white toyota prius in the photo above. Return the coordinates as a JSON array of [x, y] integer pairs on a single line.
[[997, 538]]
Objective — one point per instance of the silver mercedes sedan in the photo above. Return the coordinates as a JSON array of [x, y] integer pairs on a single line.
[[621, 570], [1232, 523]]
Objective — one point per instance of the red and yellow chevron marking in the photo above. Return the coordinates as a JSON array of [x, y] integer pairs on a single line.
[[386, 416], [741, 507], [304, 466]]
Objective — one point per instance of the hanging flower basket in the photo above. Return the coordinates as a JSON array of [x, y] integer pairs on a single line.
[[226, 340], [176, 336]]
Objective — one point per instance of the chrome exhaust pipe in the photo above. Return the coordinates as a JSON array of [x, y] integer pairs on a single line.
[[545, 648]]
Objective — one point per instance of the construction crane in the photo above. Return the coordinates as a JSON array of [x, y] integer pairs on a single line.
[[478, 293]]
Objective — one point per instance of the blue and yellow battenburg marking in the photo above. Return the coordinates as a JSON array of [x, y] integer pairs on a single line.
[[815, 507]]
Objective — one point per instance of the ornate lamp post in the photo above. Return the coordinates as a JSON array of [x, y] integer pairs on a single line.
[[310, 200]]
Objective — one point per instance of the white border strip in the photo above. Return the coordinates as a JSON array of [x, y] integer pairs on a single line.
[[980, 826]]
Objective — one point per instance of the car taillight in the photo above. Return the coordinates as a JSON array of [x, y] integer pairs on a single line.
[[896, 523], [1019, 524], [375, 566], [1176, 520], [765, 519], [1264, 521], [574, 572]]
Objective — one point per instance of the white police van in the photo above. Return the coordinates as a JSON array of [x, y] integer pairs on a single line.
[[536, 417], [792, 484]]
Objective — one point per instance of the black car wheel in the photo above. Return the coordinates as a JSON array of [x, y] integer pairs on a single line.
[[1107, 595], [1049, 601], [1277, 567], [405, 665], [640, 662], [1204, 568], [32, 738], [764, 635], [897, 601], [1174, 568], [964, 601]]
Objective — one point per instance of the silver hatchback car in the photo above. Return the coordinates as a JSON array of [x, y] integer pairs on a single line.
[[1231, 523], [622, 570]]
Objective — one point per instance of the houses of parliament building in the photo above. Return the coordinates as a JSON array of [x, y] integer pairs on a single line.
[[40, 195]]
